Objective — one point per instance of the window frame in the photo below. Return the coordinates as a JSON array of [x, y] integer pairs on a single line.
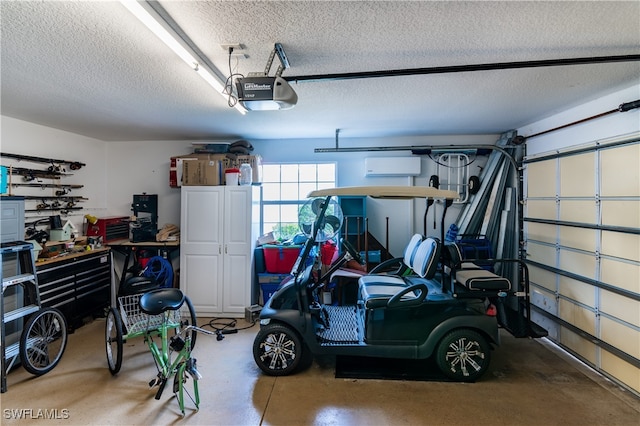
[[318, 184]]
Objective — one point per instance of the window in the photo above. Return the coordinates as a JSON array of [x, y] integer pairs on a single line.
[[284, 191]]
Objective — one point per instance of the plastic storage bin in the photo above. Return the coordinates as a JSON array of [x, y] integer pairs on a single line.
[[3, 180], [280, 259], [267, 291]]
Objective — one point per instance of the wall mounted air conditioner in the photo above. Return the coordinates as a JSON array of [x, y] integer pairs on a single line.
[[392, 166]]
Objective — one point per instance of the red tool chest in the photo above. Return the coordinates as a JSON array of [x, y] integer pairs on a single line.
[[110, 228]]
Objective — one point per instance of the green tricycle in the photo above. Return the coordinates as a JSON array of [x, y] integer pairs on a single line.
[[166, 315]]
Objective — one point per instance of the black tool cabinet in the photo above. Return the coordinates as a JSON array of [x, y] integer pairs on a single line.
[[78, 285]]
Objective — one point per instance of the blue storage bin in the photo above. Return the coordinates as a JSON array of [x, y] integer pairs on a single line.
[[268, 290], [374, 256], [3, 180]]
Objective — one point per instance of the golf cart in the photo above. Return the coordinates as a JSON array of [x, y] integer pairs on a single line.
[[441, 306]]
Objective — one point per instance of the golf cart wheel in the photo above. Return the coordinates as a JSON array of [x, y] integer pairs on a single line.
[[114, 341], [463, 355], [278, 350], [43, 341]]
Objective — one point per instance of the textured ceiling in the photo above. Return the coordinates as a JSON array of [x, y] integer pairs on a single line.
[[91, 68]]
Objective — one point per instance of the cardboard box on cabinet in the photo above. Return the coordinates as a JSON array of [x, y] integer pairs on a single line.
[[201, 173]]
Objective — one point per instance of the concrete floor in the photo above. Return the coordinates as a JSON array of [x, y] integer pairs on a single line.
[[529, 383]]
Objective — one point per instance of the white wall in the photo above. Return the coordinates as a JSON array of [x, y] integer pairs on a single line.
[[143, 167], [21, 137]]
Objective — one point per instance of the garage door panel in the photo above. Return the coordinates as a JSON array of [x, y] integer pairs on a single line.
[[624, 213], [578, 238], [624, 275], [583, 347], [541, 232], [583, 264], [624, 246], [542, 179], [620, 171], [621, 370], [619, 306], [543, 254], [543, 278], [577, 315], [620, 336], [577, 290], [577, 175], [580, 211], [544, 299], [541, 209]]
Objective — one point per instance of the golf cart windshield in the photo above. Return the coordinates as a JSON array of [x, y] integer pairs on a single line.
[[390, 192]]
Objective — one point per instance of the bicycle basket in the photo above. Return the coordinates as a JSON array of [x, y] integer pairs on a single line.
[[136, 321]]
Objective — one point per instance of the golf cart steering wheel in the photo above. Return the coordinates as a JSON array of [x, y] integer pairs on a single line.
[[352, 251]]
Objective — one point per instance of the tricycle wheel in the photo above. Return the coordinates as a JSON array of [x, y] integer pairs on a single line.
[[278, 350], [43, 341], [113, 334], [188, 317], [463, 355]]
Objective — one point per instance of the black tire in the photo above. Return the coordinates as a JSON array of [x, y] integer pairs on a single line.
[[114, 342], [43, 341], [463, 355], [434, 181], [278, 350], [188, 317], [474, 185]]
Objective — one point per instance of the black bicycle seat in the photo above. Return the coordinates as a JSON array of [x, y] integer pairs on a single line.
[[158, 301]]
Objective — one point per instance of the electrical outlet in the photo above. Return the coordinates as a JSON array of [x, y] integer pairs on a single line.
[[235, 46]]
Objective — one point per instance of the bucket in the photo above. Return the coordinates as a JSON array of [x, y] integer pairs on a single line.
[[231, 177], [328, 251]]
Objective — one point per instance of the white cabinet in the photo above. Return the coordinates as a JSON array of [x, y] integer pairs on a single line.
[[218, 230]]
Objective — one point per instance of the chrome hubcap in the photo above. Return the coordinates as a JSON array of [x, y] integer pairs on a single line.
[[464, 356]]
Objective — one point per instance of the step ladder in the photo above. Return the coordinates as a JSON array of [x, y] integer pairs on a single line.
[[16, 257]]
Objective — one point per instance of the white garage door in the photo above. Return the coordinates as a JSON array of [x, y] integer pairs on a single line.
[[582, 235]]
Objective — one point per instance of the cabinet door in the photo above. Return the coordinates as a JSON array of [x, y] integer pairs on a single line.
[[11, 219], [201, 244], [237, 249]]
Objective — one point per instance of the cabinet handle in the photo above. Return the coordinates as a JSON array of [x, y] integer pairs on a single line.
[[225, 249], [219, 249]]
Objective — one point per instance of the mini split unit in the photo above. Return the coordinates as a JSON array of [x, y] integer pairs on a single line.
[[259, 92]]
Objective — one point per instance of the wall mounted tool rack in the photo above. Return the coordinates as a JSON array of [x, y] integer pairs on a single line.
[[40, 181]]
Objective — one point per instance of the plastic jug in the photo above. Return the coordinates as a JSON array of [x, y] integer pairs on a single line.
[[246, 174], [231, 176]]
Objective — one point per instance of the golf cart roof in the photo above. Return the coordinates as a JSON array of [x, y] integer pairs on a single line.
[[398, 192]]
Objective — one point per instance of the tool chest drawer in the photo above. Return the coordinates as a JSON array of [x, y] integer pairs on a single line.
[[80, 285]]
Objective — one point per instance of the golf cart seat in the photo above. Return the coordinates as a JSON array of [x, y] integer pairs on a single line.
[[471, 276], [378, 290], [400, 265]]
